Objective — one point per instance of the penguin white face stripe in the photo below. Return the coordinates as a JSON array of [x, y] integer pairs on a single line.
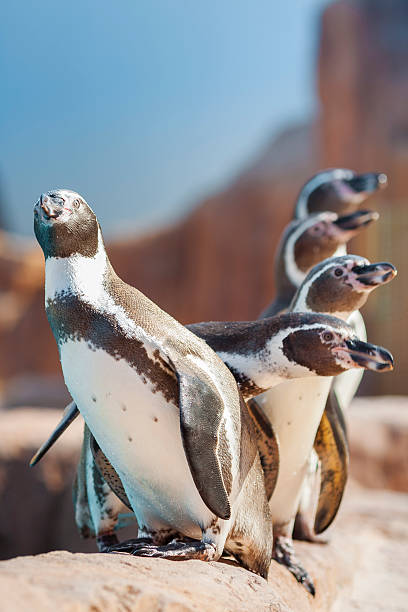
[[323, 177], [76, 274], [295, 275]]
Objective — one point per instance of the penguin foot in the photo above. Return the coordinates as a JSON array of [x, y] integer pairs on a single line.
[[127, 546], [104, 542], [284, 553], [176, 549]]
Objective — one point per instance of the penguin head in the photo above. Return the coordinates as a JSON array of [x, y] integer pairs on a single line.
[[337, 189], [341, 285], [64, 224], [327, 346], [306, 242]]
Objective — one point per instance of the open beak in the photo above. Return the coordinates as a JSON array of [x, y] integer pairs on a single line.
[[369, 182], [375, 274], [51, 207], [70, 413], [369, 356]]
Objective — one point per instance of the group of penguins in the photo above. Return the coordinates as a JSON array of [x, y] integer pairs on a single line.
[[217, 438]]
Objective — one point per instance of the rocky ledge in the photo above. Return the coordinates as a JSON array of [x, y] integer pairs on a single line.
[[363, 567]]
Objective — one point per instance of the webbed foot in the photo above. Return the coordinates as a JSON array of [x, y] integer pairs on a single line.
[[128, 546], [176, 549], [284, 553]]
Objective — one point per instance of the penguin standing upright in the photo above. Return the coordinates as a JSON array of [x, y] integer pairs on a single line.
[[337, 286], [161, 405]]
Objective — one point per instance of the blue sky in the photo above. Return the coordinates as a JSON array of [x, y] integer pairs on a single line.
[[145, 106]]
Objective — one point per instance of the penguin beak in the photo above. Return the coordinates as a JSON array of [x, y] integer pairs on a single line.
[[356, 221], [369, 182], [375, 274], [51, 207], [70, 413], [368, 356]]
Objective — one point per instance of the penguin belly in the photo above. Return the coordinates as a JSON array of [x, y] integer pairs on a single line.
[[294, 409], [139, 432], [346, 384]]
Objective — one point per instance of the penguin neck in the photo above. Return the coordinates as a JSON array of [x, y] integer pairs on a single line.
[[300, 302], [77, 275], [266, 365]]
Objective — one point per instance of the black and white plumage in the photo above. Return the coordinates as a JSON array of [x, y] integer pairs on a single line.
[[339, 190], [159, 402], [337, 286]]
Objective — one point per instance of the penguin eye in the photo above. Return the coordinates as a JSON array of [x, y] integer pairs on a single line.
[[338, 272], [76, 204], [328, 336]]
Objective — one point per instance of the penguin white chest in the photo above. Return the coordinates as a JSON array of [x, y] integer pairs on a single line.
[[294, 408], [139, 431]]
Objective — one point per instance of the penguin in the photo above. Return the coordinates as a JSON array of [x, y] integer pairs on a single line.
[[306, 242], [160, 404], [337, 286], [337, 189]]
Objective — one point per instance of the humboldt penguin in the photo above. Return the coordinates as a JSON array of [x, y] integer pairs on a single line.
[[337, 189], [306, 242], [337, 286], [160, 404]]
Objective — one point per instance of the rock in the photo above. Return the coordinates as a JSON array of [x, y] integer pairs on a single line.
[[377, 522], [362, 568], [362, 564], [378, 435], [120, 582]]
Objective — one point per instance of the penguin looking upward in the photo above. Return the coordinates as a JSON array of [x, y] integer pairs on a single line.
[[337, 189], [337, 286], [161, 406]]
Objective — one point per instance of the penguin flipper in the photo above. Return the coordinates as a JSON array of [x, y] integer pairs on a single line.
[[108, 472], [70, 413], [332, 449], [204, 439], [267, 444]]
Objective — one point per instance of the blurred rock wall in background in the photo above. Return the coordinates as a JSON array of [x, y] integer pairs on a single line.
[[218, 262]]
